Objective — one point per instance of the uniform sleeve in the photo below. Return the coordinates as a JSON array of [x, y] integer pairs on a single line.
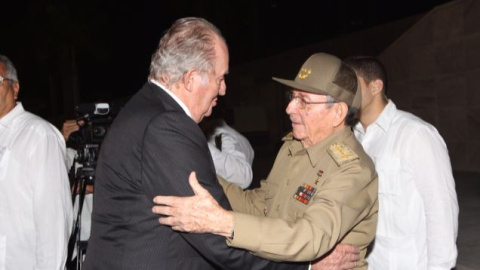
[[340, 204], [432, 174], [231, 163], [173, 147], [53, 215], [245, 201]]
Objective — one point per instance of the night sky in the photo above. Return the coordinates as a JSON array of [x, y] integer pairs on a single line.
[[103, 47]]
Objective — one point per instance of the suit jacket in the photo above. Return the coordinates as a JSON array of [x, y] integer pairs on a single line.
[[150, 149]]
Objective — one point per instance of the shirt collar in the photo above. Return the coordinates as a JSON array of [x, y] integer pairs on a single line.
[[7, 120], [170, 93], [384, 120], [315, 152]]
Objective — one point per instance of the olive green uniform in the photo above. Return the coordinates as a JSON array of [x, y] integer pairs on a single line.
[[313, 199]]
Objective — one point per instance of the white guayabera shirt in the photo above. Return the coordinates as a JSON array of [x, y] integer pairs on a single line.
[[418, 208], [35, 199]]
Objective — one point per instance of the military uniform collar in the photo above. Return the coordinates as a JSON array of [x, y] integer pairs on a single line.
[[317, 151]]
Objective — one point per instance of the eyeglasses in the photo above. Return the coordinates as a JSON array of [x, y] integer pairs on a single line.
[[302, 104], [5, 79]]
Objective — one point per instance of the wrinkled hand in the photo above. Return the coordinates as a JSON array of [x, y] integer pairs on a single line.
[[68, 127], [198, 214], [342, 257]]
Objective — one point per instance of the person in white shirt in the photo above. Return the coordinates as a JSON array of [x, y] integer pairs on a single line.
[[418, 213], [232, 153], [35, 199]]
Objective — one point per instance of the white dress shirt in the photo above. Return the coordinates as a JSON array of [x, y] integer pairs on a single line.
[[35, 199], [418, 212], [234, 161]]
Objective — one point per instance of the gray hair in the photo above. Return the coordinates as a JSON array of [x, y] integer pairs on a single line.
[[351, 119], [9, 68], [188, 44]]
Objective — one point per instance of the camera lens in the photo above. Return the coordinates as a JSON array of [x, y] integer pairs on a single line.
[[99, 131]]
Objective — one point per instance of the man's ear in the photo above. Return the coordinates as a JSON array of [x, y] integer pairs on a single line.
[[16, 89], [341, 109], [189, 79], [376, 86]]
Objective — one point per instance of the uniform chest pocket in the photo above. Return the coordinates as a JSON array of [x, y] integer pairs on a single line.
[[301, 199], [390, 174], [296, 209]]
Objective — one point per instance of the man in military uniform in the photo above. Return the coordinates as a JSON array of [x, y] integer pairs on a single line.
[[321, 191]]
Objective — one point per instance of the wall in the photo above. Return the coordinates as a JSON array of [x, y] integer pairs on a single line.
[[433, 63], [434, 71]]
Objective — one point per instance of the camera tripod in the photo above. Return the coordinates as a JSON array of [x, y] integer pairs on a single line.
[[81, 178]]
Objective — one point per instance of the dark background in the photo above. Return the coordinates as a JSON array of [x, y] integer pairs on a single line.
[[71, 52]]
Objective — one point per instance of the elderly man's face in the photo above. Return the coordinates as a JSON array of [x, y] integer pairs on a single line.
[[211, 85], [313, 123], [8, 92]]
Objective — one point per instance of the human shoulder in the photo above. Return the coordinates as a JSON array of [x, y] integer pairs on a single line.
[[31, 123], [411, 126], [288, 137], [347, 165], [408, 118], [397, 120], [349, 153], [341, 153], [172, 125], [288, 141], [37, 136], [172, 117]]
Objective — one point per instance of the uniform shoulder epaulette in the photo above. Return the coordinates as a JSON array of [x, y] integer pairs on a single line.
[[288, 137], [341, 153]]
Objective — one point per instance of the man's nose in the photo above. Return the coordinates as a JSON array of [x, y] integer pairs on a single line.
[[290, 107]]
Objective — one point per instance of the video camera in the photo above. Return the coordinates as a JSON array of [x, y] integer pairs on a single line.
[[94, 120]]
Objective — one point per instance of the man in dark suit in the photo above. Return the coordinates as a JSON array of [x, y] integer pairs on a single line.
[[153, 142]]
